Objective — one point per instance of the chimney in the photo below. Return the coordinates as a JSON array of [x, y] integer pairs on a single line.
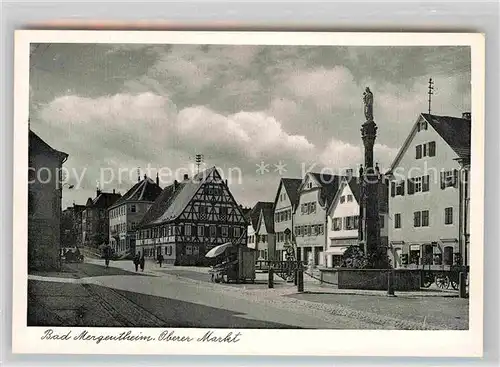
[[157, 179], [186, 177], [145, 176], [175, 184], [348, 173], [466, 115], [225, 181], [113, 191]]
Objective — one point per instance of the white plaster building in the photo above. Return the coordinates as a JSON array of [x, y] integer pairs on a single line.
[[427, 199], [343, 220]]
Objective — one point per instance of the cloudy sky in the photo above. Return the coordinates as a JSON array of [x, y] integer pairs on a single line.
[[114, 107]]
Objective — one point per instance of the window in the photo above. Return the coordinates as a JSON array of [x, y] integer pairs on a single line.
[[417, 184], [432, 149], [237, 232], [449, 179], [225, 231], [222, 213], [425, 150], [417, 219], [418, 152], [425, 218], [421, 218], [213, 231], [381, 221], [312, 208], [398, 188], [351, 222], [187, 229], [133, 208], [349, 198], [342, 199], [448, 215]]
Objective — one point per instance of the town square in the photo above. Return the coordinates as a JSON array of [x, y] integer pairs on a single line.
[[249, 187]]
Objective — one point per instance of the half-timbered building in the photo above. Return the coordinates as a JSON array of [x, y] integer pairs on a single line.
[[191, 217]]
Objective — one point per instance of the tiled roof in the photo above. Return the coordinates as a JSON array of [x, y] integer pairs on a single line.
[[292, 189], [145, 190], [36, 144], [254, 214], [454, 130], [268, 214], [105, 199], [329, 186], [171, 203]]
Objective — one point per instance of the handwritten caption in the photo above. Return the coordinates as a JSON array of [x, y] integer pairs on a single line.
[[164, 336]]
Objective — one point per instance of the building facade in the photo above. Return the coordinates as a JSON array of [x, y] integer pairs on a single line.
[[315, 193], [44, 204], [95, 220], [343, 220], [426, 200], [71, 224], [284, 206], [127, 212], [191, 217], [260, 234]]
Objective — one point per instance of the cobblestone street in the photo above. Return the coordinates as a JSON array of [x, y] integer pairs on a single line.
[[91, 295]]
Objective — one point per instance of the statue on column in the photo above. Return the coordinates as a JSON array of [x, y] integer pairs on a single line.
[[368, 101]]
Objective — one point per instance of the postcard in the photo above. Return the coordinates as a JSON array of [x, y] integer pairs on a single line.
[[248, 193]]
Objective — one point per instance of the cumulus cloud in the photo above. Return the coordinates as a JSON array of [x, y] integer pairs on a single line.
[[238, 105], [339, 155]]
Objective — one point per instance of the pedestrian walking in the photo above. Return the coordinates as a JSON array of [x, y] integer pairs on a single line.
[[160, 259], [107, 255], [142, 262], [137, 260]]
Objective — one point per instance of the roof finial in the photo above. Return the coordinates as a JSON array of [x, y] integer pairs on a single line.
[[138, 174], [430, 93]]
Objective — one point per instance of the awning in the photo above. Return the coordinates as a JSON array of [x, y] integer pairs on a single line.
[[335, 251]]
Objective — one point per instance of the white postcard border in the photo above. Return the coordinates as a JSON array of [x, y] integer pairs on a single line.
[[467, 343]]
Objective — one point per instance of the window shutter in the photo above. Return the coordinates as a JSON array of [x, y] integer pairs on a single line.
[[418, 152], [455, 178], [411, 187], [432, 149], [425, 183], [443, 180], [393, 188], [402, 188]]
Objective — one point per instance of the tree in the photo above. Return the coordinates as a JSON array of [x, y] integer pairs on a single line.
[[354, 257]]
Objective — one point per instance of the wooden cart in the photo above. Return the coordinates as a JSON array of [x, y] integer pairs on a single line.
[[237, 266]]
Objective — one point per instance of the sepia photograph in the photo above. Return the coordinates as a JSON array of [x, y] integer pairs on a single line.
[[221, 186]]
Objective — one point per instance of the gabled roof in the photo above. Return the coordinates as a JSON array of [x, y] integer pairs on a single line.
[[267, 215], [36, 144], [455, 131], [104, 200], [291, 186], [254, 214], [145, 190], [329, 186], [174, 199], [355, 186]]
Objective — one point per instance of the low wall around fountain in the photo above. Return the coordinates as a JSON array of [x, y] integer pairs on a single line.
[[370, 279]]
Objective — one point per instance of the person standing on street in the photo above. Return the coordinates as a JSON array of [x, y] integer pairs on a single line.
[[142, 262], [137, 260], [107, 255], [160, 259]]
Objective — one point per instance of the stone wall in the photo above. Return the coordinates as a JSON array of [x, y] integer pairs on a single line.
[[371, 279]]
